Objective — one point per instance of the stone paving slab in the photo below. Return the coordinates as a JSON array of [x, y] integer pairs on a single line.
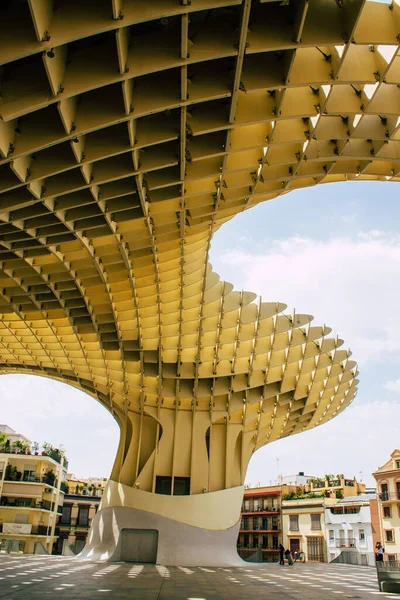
[[48, 578]]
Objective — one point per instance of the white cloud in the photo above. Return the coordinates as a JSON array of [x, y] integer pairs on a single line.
[[360, 439], [393, 386], [351, 285], [47, 410]]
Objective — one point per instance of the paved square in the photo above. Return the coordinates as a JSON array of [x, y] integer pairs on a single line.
[[47, 577]]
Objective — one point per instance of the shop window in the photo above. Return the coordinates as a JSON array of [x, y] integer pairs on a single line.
[[163, 485], [181, 486]]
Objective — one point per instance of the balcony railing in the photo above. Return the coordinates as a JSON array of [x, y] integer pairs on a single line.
[[255, 547], [27, 478], [270, 509], [38, 530], [387, 496], [26, 503], [345, 543]]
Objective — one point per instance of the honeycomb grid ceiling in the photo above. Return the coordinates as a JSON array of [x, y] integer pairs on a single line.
[[130, 131]]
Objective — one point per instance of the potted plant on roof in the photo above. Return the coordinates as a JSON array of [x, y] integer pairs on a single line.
[[3, 441]]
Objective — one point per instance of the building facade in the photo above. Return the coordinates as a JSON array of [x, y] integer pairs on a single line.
[[75, 520], [349, 530], [387, 480], [303, 513], [303, 522], [261, 524], [31, 496]]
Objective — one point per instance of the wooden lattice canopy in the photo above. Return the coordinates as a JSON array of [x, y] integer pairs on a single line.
[[130, 131]]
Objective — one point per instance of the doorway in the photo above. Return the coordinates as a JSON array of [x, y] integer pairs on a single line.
[[139, 545], [294, 545]]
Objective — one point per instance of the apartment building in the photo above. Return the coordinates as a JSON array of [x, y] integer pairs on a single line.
[[261, 525], [74, 523], [304, 512], [32, 489], [350, 530], [387, 480], [89, 486], [303, 524], [337, 486]]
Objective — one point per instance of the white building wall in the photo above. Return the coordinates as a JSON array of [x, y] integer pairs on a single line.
[[350, 533]]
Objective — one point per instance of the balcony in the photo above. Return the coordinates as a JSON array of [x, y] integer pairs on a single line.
[[389, 496], [75, 522], [31, 530], [27, 478], [345, 543], [263, 547], [261, 510], [27, 503]]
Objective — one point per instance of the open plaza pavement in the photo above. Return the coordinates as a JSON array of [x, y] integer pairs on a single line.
[[33, 577]]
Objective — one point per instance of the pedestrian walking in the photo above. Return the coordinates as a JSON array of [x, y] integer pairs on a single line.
[[379, 552], [281, 555], [289, 557]]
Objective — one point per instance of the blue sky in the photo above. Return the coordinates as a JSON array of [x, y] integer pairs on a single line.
[[332, 251]]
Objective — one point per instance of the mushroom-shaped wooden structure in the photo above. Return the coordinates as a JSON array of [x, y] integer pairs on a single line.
[[130, 131]]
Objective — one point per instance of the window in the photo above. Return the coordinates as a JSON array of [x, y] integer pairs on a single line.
[[246, 541], [294, 523], [398, 490], [246, 505], [392, 558], [66, 515], [384, 491], [315, 521], [361, 535], [397, 464], [265, 541], [246, 523], [265, 523], [389, 536], [387, 512], [255, 541], [163, 485], [181, 486], [83, 516], [331, 534], [351, 510], [275, 542]]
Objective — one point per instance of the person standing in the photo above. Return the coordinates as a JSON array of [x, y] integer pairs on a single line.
[[289, 557], [281, 554], [379, 552]]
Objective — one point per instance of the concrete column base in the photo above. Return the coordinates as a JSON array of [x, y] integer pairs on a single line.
[[179, 544]]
